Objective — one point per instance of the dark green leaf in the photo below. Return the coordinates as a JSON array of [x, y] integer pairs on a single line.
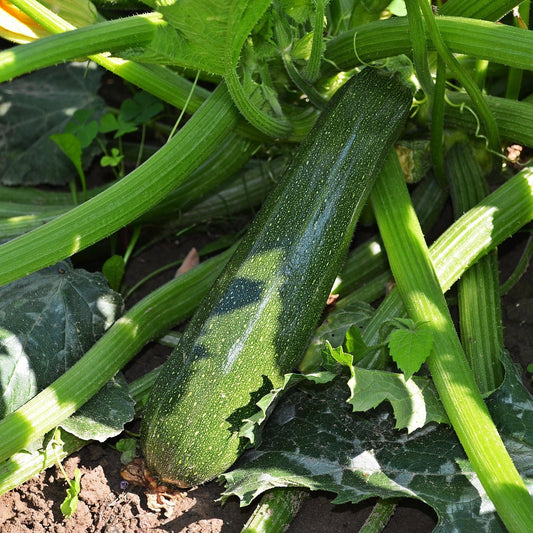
[[314, 440], [48, 320], [141, 108], [105, 414], [36, 106]]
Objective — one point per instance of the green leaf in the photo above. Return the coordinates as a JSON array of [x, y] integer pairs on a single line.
[[339, 355], [334, 330], [414, 401], [113, 270], [127, 449], [108, 123], [410, 345], [112, 160], [70, 504], [70, 145], [354, 342], [300, 10], [314, 440], [84, 129], [206, 36], [141, 108], [105, 414], [36, 106], [48, 320]]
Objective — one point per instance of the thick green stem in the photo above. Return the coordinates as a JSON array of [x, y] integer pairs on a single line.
[[477, 38], [419, 45], [481, 106], [312, 68], [264, 122], [514, 118], [380, 516], [369, 260], [148, 319], [480, 314], [125, 200], [437, 121], [472, 236], [275, 511], [514, 79], [479, 9], [421, 293], [42, 15], [113, 35], [23, 466]]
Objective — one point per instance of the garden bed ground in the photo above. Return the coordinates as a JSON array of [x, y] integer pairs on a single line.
[[106, 507]]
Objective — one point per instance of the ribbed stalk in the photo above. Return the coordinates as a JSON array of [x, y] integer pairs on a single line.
[[479, 9], [481, 106], [472, 236], [480, 314], [128, 198], [369, 260], [111, 35], [421, 293], [148, 319], [275, 511], [478, 38], [22, 466]]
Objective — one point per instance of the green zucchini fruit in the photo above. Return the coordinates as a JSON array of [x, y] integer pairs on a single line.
[[254, 324]]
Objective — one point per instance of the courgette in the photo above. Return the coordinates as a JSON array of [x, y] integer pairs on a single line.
[[254, 324]]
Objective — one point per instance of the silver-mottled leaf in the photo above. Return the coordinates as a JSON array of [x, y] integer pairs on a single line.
[[48, 320], [314, 440]]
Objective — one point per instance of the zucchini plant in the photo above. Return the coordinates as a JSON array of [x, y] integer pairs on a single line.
[[264, 82]]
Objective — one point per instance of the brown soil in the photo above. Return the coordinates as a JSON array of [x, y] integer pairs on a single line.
[[107, 506]]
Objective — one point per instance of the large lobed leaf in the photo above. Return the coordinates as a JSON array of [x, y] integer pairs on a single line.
[[206, 36], [36, 106], [314, 440], [48, 320]]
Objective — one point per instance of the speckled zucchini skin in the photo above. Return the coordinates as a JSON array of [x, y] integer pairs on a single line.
[[254, 324]]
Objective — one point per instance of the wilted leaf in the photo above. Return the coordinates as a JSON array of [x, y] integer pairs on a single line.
[[191, 260]]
